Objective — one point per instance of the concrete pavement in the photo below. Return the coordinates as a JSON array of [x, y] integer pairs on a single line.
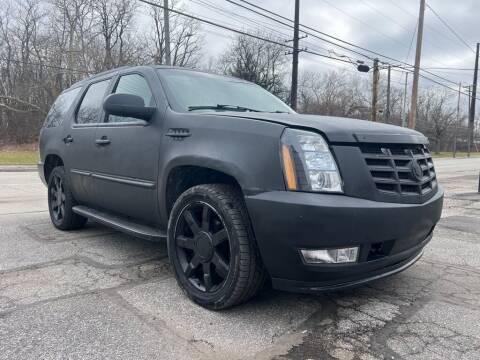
[[99, 294]]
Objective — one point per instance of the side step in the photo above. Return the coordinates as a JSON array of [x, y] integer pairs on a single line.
[[121, 223]]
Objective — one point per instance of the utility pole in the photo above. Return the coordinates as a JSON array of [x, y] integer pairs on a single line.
[[404, 106], [376, 76], [469, 92], [457, 122], [412, 116], [166, 21], [387, 113], [293, 91], [471, 120]]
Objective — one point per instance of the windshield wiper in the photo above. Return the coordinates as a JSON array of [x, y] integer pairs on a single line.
[[221, 107]]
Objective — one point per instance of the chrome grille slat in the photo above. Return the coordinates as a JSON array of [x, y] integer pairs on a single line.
[[391, 168]]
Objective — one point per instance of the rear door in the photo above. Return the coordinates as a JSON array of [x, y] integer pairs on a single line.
[[127, 154], [79, 140]]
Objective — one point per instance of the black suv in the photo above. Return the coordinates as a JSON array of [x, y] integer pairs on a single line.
[[242, 187]]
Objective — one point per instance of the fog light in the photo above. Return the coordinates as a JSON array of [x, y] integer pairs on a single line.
[[330, 256]]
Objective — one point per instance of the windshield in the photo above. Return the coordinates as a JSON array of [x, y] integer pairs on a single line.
[[195, 91]]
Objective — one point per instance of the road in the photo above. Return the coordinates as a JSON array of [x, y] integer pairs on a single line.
[[99, 294]]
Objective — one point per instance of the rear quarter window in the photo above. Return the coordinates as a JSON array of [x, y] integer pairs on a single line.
[[60, 108]]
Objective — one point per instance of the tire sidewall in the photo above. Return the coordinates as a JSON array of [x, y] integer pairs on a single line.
[[219, 296], [63, 223]]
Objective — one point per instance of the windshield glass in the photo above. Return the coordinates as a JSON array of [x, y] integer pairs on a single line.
[[196, 91]]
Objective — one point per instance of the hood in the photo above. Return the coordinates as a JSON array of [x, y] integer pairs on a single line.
[[338, 129]]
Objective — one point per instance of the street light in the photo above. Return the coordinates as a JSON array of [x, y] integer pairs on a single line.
[[363, 68]]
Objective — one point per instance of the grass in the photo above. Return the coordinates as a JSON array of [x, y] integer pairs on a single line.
[[18, 157], [446, 154], [29, 155]]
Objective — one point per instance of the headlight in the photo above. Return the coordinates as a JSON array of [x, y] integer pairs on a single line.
[[308, 164]]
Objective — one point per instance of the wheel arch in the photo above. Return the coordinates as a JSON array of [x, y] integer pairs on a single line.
[[184, 176], [51, 161]]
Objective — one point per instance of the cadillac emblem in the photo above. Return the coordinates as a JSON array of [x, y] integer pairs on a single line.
[[416, 170]]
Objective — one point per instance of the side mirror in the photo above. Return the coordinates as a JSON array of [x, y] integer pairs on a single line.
[[127, 105]]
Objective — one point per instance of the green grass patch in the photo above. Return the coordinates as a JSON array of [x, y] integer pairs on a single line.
[[30, 157], [18, 157]]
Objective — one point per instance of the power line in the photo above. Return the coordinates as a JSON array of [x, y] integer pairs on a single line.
[[291, 26], [380, 32], [449, 68], [450, 28], [241, 32], [434, 81], [320, 32], [278, 43], [364, 23], [312, 29], [374, 8], [351, 44], [411, 41], [238, 18], [212, 23], [216, 24], [401, 8], [435, 30], [44, 65]]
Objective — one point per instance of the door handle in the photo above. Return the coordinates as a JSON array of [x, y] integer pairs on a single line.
[[102, 141], [68, 139]]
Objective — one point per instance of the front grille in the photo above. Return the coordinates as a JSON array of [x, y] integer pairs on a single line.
[[401, 169]]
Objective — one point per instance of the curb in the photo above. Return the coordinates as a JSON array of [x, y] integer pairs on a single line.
[[18, 168]]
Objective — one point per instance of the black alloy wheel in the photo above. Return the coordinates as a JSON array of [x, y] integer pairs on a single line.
[[212, 248], [57, 198], [203, 246], [61, 202]]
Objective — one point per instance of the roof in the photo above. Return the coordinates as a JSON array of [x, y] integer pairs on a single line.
[[112, 71]]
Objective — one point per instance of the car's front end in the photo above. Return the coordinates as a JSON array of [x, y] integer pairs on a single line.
[[333, 202], [352, 211]]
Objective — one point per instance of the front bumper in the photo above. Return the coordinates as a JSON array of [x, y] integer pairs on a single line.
[[285, 222]]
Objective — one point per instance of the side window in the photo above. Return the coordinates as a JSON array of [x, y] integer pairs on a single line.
[[133, 84], [91, 106], [60, 107]]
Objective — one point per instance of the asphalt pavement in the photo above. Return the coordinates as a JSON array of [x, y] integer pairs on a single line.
[[99, 294]]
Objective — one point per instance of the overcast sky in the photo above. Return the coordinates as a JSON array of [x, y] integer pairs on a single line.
[[385, 26]]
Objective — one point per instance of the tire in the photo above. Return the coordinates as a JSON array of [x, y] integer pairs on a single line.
[[199, 249], [61, 212]]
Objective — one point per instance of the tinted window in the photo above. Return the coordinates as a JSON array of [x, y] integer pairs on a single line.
[[133, 84], [91, 106], [60, 108], [192, 89]]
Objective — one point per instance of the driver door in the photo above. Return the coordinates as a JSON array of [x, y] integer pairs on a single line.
[[127, 151]]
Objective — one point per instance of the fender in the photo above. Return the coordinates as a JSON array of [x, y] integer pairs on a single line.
[[244, 149]]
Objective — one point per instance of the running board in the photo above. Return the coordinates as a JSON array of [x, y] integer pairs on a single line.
[[121, 223]]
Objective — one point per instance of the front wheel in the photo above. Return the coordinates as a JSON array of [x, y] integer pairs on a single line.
[[212, 248], [61, 202]]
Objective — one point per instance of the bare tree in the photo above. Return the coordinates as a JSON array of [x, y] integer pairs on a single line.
[[115, 18], [333, 93], [258, 61], [436, 115], [47, 45], [185, 39]]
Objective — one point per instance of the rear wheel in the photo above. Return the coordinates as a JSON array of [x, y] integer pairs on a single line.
[[211, 247], [61, 202]]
